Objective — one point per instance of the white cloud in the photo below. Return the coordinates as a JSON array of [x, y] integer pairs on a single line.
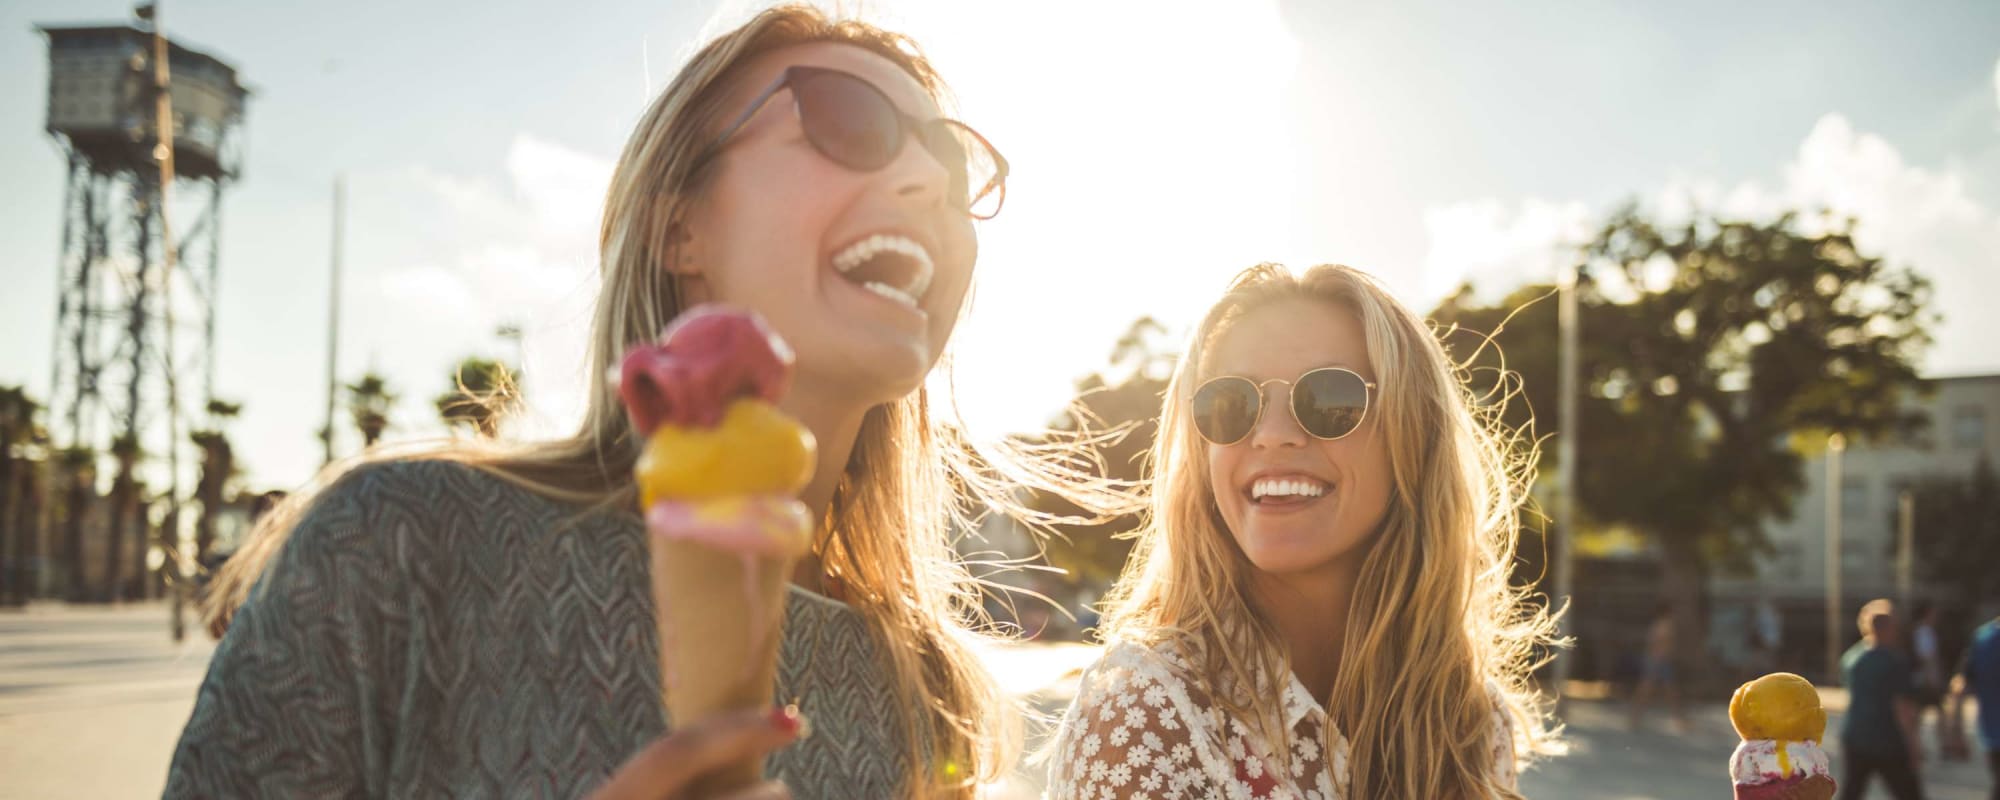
[[521, 253], [1498, 248], [1912, 215], [563, 192]]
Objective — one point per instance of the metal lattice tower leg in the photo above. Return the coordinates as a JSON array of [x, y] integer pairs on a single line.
[[112, 344]]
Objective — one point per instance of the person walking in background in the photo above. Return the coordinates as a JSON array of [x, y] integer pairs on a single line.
[[1878, 733], [1656, 670], [1979, 677], [210, 566], [1927, 669], [1767, 635]]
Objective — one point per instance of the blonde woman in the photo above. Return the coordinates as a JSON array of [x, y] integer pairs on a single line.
[[1318, 605], [477, 623]]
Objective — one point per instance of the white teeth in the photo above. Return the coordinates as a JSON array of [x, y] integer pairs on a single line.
[[1269, 487], [858, 253], [890, 292]]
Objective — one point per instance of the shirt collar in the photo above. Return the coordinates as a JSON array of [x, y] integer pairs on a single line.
[[1299, 702]]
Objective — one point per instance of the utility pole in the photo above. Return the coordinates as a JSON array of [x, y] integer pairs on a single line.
[[163, 153], [1566, 455], [1835, 444], [333, 314], [1906, 545]]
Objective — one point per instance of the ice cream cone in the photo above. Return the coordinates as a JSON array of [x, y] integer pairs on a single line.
[[720, 615], [1781, 722], [716, 480], [1811, 787]]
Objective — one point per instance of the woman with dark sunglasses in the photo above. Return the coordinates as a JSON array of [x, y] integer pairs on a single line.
[[1318, 606], [478, 622]]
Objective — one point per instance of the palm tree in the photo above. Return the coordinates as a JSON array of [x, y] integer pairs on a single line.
[[77, 473], [17, 426], [126, 508], [369, 400], [29, 553], [483, 393], [218, 464]]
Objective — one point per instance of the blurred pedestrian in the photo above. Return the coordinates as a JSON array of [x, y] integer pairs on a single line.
[[1927, 670], [1878, 732], [1656, 670], [1766, 637], [1979, 677], [218, 624]]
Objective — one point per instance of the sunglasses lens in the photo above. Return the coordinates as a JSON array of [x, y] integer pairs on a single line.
[[1225, 409], [848, 120], [1330, 402], [976, 179]]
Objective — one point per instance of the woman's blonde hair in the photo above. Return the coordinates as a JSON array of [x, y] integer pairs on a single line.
[[1433, 618], [888, 533]]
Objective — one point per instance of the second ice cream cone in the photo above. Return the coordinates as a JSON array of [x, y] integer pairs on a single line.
[[1810, 787]]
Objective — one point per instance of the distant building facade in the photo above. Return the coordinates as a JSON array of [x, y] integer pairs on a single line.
[[1964, 415], [1965, 426]]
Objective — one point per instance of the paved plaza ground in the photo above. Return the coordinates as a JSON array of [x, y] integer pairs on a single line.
[[92, 699]]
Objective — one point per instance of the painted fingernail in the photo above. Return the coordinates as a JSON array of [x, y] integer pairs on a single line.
[[789, 720]]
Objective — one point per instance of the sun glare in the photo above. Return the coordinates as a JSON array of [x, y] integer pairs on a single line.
[[1151, 154]]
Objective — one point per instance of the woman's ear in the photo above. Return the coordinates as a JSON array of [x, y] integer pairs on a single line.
[[681, 251]]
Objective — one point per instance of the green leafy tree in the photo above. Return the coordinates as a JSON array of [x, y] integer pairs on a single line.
[[484, 392], [1957, 534], [19, 528], [128, 516], [218, 465], [369, 401], [1715, 356], [77, 475]]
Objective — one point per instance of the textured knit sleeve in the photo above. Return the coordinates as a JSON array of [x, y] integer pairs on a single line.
[[1506, 768], [1135, 732], [301, 695]]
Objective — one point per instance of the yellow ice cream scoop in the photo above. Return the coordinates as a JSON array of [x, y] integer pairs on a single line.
[[756, 449], [1779, 706]]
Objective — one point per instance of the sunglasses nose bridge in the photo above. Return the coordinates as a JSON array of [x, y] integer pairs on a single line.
[[1276, 424]]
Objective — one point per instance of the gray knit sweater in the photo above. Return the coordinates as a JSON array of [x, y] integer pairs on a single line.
[[431, 631]]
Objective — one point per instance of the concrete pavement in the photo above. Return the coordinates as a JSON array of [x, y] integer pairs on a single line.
[[92, 700]]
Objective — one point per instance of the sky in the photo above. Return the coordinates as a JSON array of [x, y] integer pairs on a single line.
[[1158, 148]]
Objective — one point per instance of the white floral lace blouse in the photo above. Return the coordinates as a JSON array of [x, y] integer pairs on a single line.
[[1140, 728]]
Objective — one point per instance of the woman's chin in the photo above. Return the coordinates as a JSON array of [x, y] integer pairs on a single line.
[[872, 375], [1292, 556]]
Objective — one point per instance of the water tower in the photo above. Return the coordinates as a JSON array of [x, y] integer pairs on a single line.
[[135, 321]]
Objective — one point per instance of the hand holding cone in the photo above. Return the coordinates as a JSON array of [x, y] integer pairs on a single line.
[[717, 480]]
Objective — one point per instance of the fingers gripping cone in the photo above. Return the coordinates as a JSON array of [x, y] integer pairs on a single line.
[[717, 479]]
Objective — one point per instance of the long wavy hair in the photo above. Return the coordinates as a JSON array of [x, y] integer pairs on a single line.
[[1434, 617], [909, 484]]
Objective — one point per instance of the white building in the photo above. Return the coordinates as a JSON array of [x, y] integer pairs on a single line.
[[1965, 425]]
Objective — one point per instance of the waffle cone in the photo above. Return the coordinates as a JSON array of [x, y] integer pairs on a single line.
[[720, 615], [1815, 787]]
